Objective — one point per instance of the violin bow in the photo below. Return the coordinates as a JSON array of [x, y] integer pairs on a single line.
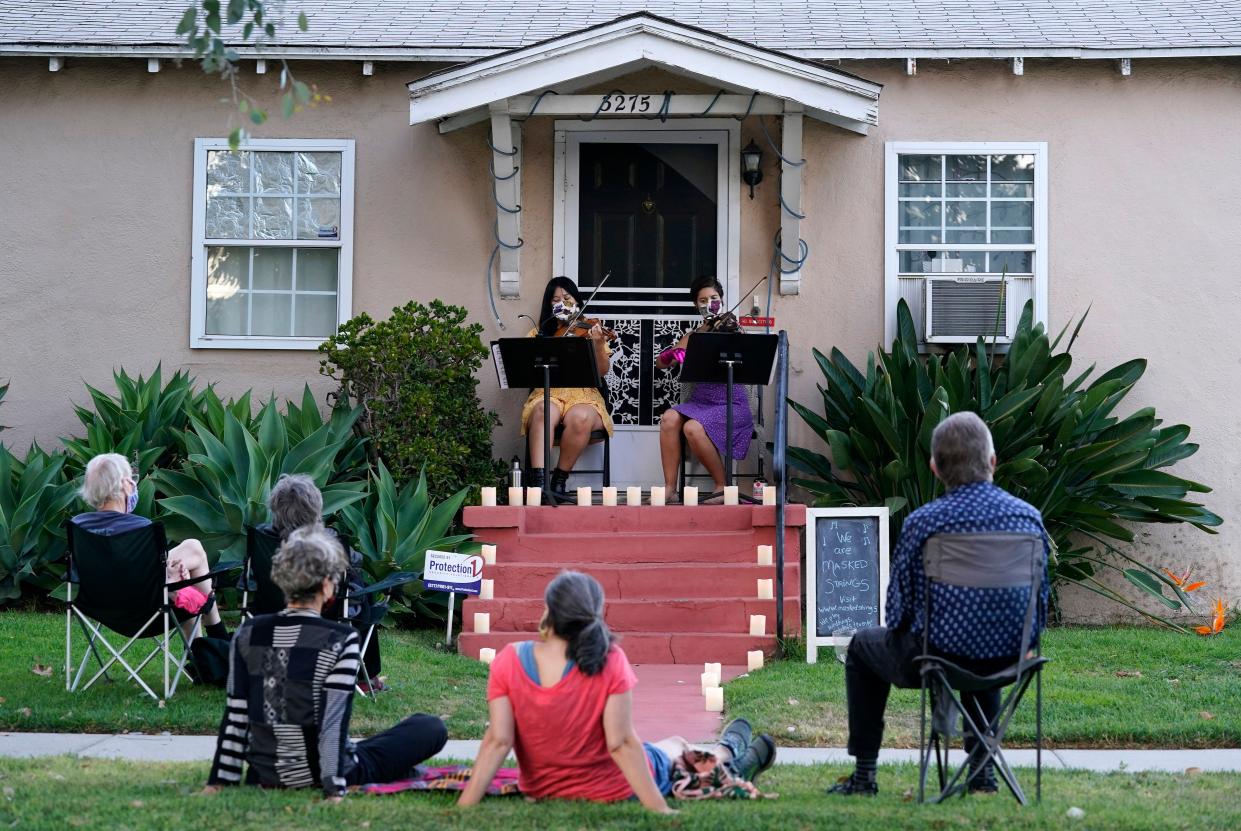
[[582, 309]]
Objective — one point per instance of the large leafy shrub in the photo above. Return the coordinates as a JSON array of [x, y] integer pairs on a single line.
[[35, 496], [1060, 447], [394, 526], [413, 378]]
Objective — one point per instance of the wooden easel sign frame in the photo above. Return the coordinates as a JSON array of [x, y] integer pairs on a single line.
[[820, 521]]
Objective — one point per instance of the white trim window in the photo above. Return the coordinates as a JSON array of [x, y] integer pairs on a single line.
[[273, 243], [965, 237]]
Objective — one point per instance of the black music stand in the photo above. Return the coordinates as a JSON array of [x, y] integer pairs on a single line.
[[545, 362], [729, 358]]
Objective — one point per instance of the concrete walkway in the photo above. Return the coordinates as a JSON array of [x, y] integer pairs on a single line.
[[168, 748]]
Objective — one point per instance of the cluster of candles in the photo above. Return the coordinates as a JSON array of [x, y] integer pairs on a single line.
[[711, 677], [611, 495]]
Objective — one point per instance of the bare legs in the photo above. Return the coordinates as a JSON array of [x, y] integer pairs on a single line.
[[190, 560], [579, 421], [671, 426]]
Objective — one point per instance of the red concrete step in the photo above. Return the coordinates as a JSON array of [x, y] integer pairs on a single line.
[[648, 648], [600, 519], [621, 581], [705, 547], [724, 615]]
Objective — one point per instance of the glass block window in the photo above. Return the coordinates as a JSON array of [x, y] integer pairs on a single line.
[[273, 243]]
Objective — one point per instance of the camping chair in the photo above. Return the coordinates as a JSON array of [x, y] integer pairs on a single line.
[[121, 586], [263, 542], [990, 561]]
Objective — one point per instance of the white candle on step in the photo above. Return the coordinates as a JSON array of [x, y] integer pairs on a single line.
[[754, 660], [482, 623], [769, 494], [515, 495], [715, 699], [731, 495], [657, 494], [489, 555], [716, 668], [609, 497], [764, 555], [709, 680], [488, 498], [487, 591], [633, 496], [486, 654], [758, 625], [765, 590], [534, 496], [584, 497], [689, 495]]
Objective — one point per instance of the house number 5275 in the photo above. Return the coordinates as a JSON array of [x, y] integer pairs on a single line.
[[621, 103]]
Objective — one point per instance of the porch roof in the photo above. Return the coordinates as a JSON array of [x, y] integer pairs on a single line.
[[599, 53]]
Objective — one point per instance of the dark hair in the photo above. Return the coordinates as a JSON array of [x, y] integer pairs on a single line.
[[547, 323], [705, 282], [575, 613]]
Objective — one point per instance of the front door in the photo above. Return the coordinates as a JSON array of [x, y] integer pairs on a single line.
[[647, 211]]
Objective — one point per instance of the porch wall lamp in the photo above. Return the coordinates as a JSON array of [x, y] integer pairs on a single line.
[[751, 165]]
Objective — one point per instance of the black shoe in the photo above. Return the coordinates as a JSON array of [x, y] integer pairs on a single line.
[[851, 786], [736, 737], [758, 757], [560, 481], [535, 478]]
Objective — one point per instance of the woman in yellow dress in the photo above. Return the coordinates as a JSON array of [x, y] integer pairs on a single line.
[[579, 409]]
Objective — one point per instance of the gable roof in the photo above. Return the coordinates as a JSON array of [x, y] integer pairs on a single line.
[[454, 30]]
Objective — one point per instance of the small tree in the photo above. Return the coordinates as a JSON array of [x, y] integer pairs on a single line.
[[413, 377]]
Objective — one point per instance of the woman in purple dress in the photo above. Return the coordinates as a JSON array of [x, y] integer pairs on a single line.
[[703, 418]]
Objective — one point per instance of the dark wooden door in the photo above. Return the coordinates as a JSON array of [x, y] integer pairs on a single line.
[[648, 214]]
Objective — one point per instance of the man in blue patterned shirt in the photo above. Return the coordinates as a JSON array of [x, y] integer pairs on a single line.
[[981, 629]]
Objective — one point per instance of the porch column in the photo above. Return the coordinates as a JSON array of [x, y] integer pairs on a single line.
[[791, 252], [506, 167]]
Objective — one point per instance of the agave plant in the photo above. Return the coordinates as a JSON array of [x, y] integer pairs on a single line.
[[146, 419], [300, 422], [4, 388], [395, 526], [1091, 473], [35, 497], [223, 484]]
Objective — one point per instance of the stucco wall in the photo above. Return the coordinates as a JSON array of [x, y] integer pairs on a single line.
[[1143, 213]]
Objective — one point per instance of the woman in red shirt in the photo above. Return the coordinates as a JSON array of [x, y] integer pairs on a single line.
[[564, 704]]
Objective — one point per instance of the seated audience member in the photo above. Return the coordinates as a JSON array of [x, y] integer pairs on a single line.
[[979, 629], [290, 691], [110, 486], [296, 502], [564, 703]]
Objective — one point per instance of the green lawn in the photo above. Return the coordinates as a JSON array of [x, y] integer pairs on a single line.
[[1115, 687], [61, 793]]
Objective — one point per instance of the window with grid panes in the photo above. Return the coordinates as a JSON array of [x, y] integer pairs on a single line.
[[273, 243]]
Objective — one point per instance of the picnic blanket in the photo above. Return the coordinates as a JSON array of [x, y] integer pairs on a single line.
[[451, 778], [699, 774]]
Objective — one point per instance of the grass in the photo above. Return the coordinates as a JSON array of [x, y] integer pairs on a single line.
[[1104, 687], [59, 793], [1114, 687]]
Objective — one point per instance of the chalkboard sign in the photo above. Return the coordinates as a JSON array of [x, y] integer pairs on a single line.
[[846, 572]]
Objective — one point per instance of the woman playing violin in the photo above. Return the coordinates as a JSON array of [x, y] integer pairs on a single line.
[[579, 409], [702, 419]]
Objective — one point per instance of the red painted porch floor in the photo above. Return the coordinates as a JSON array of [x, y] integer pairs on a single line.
[[668, 701]]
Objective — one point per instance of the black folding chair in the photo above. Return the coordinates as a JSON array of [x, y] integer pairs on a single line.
[[120, 580], [980, 561], [263, 542], [596, 437]]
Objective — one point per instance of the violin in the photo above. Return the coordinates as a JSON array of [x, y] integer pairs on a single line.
[[582, 326], [723, 322]]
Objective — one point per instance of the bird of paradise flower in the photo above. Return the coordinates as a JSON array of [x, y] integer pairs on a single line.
[[1217, 620], [1182, 581]]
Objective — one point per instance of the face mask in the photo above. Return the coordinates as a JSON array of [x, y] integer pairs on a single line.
[[132, 501], [710, 308], [562, 310]]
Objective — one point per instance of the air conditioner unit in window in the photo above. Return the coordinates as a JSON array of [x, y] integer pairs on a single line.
[[960, 307]]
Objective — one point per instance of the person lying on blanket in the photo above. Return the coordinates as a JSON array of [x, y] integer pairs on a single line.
[[290, 691], [564, 703]]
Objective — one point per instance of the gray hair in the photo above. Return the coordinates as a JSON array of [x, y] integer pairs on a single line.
[[295, 502], [962, 448], [105, 479], [304, 560]]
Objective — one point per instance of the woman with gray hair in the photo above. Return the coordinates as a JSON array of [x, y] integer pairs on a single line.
[[110, 486], [290, 691]]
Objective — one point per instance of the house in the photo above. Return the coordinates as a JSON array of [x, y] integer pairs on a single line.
[[1073, 154]]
